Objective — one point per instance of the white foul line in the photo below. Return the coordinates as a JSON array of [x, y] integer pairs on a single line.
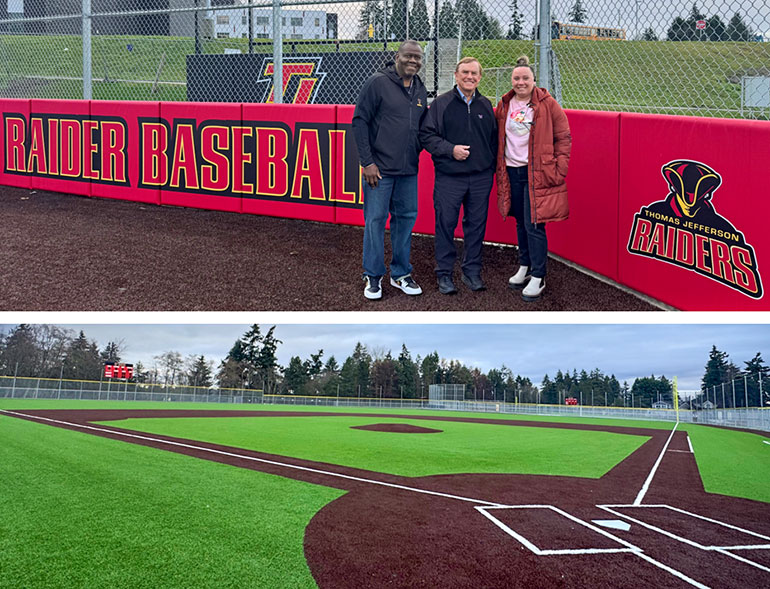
[[689, 443], [254, 459], [646, 485]]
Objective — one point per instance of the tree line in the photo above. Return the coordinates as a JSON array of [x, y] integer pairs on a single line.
[[49, 351], [386, 20], [724, 384]]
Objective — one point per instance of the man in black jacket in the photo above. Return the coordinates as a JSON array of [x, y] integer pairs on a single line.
[[386, 123], [460, 132]]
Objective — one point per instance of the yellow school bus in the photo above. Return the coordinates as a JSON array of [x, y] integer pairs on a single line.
[[562, 30]]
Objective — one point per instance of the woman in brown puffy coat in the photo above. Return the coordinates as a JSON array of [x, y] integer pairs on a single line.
[[532, 158]]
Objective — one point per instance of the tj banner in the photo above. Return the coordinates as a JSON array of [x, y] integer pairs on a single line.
[[307, 79]]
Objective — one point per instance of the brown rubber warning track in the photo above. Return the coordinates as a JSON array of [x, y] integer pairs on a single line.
[[392, 531], [69, 253]]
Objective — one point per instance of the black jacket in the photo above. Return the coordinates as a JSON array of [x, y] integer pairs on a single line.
[[387, 121], [450, 121]]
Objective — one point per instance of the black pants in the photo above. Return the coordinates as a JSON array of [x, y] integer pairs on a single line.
[[450, 192]]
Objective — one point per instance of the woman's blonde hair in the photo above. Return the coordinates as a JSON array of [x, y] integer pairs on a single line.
[[523, 61]]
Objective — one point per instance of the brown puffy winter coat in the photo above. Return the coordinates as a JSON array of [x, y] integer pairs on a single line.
[[549, 149]]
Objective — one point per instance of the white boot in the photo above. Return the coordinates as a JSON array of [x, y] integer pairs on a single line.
[[534, 289], [518, 280]]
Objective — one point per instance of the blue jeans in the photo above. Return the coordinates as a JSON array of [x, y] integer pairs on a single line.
[[533, 243], [397, 196]]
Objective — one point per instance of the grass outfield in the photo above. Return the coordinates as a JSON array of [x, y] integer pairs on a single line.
[[84, 511], [460, 448]]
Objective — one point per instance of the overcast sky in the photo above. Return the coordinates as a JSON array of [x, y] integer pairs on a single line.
[[626, 350]]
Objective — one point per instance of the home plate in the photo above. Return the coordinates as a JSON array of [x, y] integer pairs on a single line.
[[615, 524]]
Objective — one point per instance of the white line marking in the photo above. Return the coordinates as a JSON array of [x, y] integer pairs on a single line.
[[765, 442], [646, 485], [629, 547], [721, 549], [691, 514], [254, 459], [674, 572], [689, 443], [745, 560], [632, 550]]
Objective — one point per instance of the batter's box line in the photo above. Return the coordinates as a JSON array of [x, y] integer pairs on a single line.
[[539, 551], [721, 549], [631, 549]]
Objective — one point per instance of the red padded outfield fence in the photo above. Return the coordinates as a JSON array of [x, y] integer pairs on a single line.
[[673, 207]]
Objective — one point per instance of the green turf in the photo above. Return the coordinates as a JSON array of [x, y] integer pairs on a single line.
[[83, 511], [732, 462], [460, 448], [716, 460]]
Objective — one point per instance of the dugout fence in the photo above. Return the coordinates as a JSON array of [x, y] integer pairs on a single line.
[[704, 58]]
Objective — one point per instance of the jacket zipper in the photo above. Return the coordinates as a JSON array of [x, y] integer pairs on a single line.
[[531, 169]]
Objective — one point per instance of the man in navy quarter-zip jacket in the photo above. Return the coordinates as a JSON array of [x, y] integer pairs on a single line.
[[386, 124], [460, 132]]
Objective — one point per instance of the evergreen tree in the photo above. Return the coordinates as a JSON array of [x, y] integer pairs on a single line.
[[516, 22], [678, 30], [649, 35], [82, 360], [549, 392], [577, 13], [430, 372], [231, 373], [397, 21], [371, 14], [408, 374], [716, 29], [716, 369], [473, 19], [384, 377], [295, 377], [447, 21], [199, 372], [419, 23], [738, 30], [757, 381], [112, 352]]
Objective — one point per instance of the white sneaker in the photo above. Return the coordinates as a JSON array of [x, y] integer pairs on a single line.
[[406, 284], [373, 288], [533, 290], [518, 280]]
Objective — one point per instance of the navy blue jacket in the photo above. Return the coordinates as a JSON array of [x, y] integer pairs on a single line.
[[387, 121], [451, 121]]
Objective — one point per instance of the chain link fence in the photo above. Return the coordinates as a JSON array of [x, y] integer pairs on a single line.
[[12, 387], [707, 58], [441, 399]]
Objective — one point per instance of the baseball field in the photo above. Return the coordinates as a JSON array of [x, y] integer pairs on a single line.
[[110, 494]]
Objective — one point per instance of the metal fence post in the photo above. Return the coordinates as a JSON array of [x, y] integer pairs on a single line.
[[86, 25], [545, 45], [277, 54]]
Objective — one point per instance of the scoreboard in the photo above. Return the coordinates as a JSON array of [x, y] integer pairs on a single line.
[[120, 371]]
